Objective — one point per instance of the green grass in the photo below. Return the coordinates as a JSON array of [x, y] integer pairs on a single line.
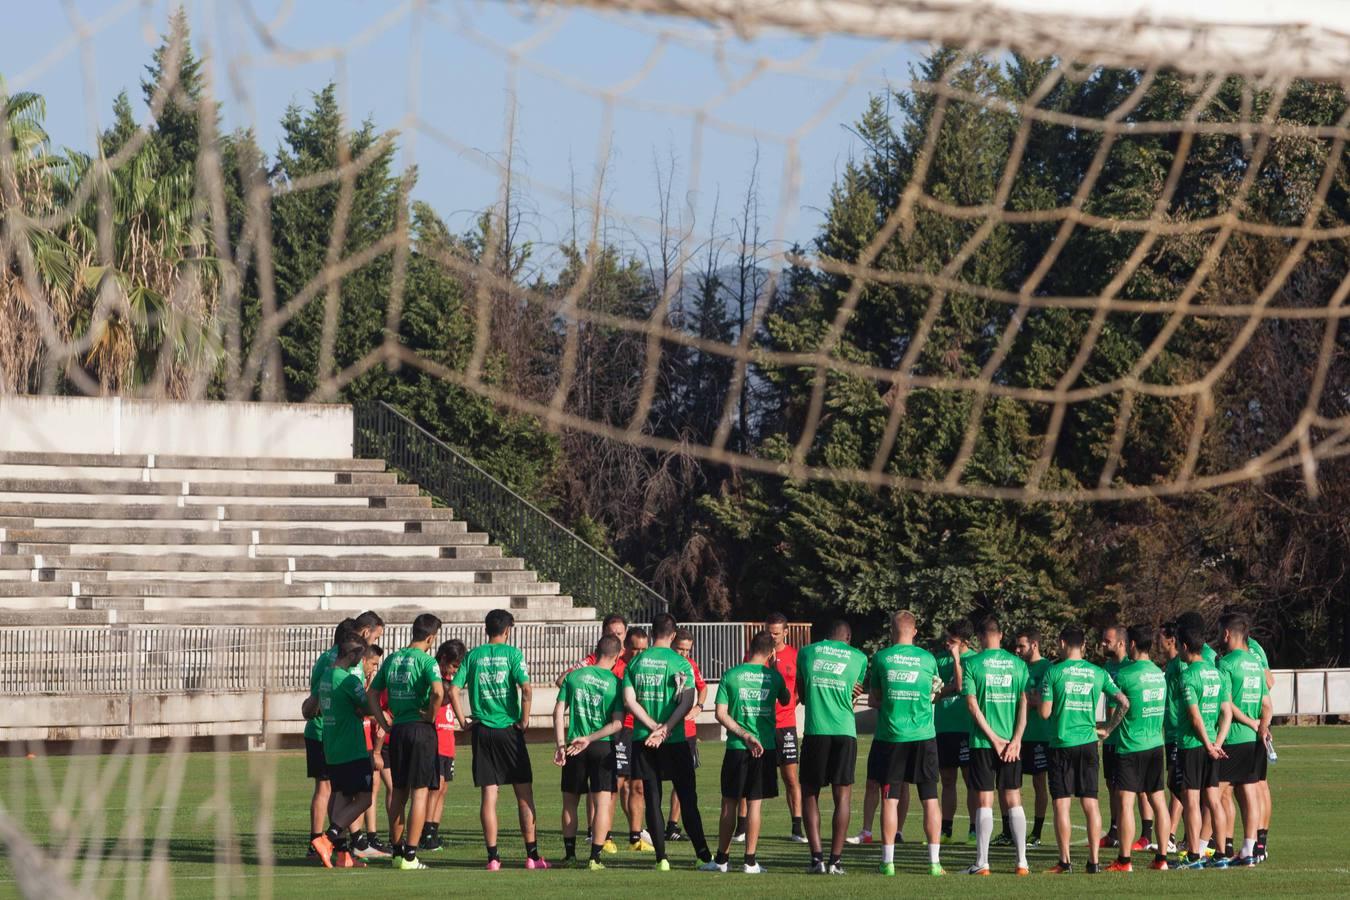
[[224, 812]]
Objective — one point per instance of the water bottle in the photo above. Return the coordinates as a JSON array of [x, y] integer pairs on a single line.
[[1271, 755]]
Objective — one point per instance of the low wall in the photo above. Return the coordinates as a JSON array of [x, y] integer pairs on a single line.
[[44, 424]]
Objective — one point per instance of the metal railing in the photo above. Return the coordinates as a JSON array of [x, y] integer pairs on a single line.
[[171, 659], [520, 527]]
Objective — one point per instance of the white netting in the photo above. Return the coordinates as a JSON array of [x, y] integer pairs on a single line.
[[86, 263]]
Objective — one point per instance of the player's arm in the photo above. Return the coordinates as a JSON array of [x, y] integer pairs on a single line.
[[436, 701], [457, 704], [734, 729], [634, 705], [376, 712], [1116, 714], [700, 699], [560, 731], [1225, 722], [1047, 698], [977, 716], [526, 699], [310, 708], [1014, 748]]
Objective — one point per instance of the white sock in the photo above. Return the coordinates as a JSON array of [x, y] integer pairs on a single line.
[[1017, 823], [934, 854], [887, 853], [984, 831], [1248, 847]]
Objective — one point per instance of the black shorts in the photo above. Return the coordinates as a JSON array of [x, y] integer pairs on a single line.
[[445, 767], [1109, 756], [879, 761], [1173, 768], [1073, 771], [623, 752], [1198, 770], [384, 756], [1036, 757], [990, 773], [828, 759], [745, 777], [593, 771], [953, 749], [412, 756], [672, 762], [1240, 766], [916, 763], [351, 778], [787, 746], [1142, 772], [315, 765], [500, 757]]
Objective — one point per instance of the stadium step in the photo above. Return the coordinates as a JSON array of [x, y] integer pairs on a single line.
[[167, 536]]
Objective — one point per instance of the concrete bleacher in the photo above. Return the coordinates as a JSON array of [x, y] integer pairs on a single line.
[[162, 536]]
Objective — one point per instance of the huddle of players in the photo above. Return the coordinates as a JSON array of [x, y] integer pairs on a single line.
[[1195, 706]]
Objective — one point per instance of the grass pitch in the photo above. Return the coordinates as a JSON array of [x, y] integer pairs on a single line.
[[239, 827]]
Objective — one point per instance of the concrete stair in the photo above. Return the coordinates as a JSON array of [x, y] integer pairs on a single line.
[[173, 538]]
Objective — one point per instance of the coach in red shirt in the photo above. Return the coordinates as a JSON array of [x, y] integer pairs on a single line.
[[784, 659]]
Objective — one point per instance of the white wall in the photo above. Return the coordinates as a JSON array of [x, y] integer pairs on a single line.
[[45, 424]]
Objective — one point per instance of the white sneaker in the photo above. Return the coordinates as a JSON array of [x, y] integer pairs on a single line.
[[797, 838], [977, 869], [1172, 847], [862, 837], [646, 835], [738, 838], [756, 869], [837, 869], [712, 866]]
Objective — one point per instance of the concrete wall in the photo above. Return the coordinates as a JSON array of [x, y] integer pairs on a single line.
[[115, 425]]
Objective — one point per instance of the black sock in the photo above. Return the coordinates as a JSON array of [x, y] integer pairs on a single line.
[[1192, 857], [596, 850], [1228, 847], [947, 827], [634, 837], [740, 825], [1006, 830], [410, 852], [315, 834], [341, 845], [1038, 827], [721, 858], [333, 835], [1112, 832], [361, 841], [396, 850], [796, 824], [817, 859], [1121, 858], [1147, 831], [1160, 856], [1261, 834], [532, 849], [1065, 864], [750, 860], [1093, 868], [492, 852], [569, 847], [834, 860]]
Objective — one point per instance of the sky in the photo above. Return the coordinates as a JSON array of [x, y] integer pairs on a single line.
[[594, 103]]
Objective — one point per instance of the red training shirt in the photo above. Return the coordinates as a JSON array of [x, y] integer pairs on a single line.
[[445, 731], [785, 661], [690, 729]]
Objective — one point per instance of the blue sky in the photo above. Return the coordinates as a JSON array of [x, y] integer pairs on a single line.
[[587, 87]]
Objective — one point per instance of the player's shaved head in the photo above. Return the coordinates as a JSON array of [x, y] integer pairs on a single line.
[[840, 631], [904, 626]]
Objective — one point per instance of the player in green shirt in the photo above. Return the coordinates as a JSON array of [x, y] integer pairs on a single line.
[[341, 703], [746, 705], [1069, 693], [1141, 762], [830, 677], [1114, 655], [951, 720], [658, 689], [589, 712], [1245, 767], [1200, 742], [1036, 737], [901, 686], [494, 680], [994, 685], [413, 684]]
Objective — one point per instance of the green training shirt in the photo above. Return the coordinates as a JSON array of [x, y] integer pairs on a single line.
[[997, 680], [1259, 652], [1175, 712], [828, 670], [314, 727], [1203, 687], [1210, 654], [1073, 687], [750, 693], [492, 673], [1246, 679], [1111, 667], [658, 675], [951, 714], [1145, 686], [902, 675], [593, 700], [407, 675], [342, 697], [1038, 730]]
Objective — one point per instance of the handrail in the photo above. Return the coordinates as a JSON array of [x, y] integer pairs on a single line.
[[520, 527]]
